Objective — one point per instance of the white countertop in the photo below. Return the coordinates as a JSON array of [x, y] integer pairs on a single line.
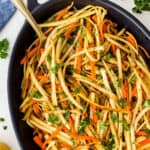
[[10, 32]]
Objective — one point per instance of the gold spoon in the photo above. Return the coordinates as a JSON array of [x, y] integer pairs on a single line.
[[4, 147], [25, 11]]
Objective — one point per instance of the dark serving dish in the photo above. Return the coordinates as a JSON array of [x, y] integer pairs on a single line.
[[25, 37]]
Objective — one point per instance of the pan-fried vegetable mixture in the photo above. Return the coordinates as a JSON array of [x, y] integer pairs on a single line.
[[87, 86]]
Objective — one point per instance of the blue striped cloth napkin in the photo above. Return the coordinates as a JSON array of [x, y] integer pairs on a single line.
[[6, 11]]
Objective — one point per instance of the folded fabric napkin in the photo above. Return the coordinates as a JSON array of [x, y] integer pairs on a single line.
[[6, 11]]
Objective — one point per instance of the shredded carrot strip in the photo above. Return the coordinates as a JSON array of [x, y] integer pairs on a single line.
[[71, 28], [103, 28], [131, 40], [36, 109], [141, 133], [125, 91], [134, 91], [42, 78], [66, 146], [61, 14], [29, 55], [71, 123], [114, 48], [95, 117], [124, 67], [144, 142], [94, 18], [81, 137], [38, 141]]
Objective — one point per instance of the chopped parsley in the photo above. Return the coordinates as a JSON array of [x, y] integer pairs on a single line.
[[49, 58], [132, 79], [125, 125], [76, 90], [2, 119], [122, 102], [114, 117], [67, 114], [4, 45], [146, 103], [97, 113], [83, 73], [53, 119], [147, 132], [62, 36], [55, 68], [84, 123], [119, 82], [36, 94], [141, 5], [112, 87], [70, 41], [111, 143], [83, 33], [5, 127], [108, 56], [103, 125]]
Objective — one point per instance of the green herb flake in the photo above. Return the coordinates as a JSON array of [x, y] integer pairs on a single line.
[[83, 33], [141, 5], [2, 119], [5, 127], [123, 103], [55, 68], [112, 87], [67, 114], [119, 82], [49, 58], [76, 90], [53, 119], [132, 79], [103, 125], [97, 113], [108, 56], [126, 73], [78, 43], [70, 41], [114, 117], [4, 45], [126, 126], [83, 73], [62, 36], [70, 103], [111, 143], [85, 122], [36, 94], [146, 103], [147, 132]]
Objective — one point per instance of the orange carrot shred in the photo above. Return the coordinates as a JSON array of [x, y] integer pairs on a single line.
[[144, 142], [29, 55], [141, 133], [79, 48], [61, 14], [131, 40], [134, 91], [36, 108], [38, 141], [71, 28]]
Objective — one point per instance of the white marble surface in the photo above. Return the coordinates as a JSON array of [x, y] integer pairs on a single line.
[[10, 32]]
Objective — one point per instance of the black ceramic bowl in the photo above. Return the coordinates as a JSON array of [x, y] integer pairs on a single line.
[[26, 36]]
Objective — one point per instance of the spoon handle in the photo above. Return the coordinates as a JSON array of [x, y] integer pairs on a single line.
[[25, 11]]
